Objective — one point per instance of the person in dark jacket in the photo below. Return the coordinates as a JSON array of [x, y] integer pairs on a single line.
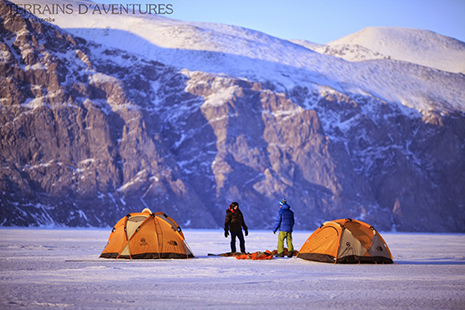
[[234, 223], [285, 223]]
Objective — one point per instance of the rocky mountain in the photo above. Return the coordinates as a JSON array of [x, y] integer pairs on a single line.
[[97, 122]]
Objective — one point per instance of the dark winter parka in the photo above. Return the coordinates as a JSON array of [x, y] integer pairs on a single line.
[[234, 220], [285, 219]]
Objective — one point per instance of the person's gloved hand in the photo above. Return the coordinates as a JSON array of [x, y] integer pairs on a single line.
[[226, 234], [246, 232], [274, 232]]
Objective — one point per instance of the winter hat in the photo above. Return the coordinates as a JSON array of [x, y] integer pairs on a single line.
[[283, 202], [234, 204]]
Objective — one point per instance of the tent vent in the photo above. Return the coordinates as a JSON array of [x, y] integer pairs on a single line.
[[147, 210]]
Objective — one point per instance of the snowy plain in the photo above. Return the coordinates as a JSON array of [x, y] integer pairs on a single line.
[[59, 268]]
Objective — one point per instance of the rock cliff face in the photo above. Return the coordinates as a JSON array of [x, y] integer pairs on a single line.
[[89, 134], [79, 144]]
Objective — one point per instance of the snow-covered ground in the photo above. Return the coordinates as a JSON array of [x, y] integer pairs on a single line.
[[55, 268]]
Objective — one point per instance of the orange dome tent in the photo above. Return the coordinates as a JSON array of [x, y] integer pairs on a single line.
[[146, 235], [346, 241]]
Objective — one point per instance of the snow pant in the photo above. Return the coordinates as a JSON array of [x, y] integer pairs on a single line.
[[240, 236], [288, 236]]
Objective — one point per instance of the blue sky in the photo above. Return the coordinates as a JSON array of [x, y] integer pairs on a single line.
[[322, 21]]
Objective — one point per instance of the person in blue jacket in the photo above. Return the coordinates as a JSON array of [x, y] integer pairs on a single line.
[[285, 223]]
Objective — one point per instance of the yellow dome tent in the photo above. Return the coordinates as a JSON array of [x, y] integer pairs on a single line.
[[346, 241], [146, 235]]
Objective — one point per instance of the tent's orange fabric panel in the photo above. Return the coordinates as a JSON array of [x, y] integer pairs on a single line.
[[172, 241], [169, 220], [323, 241], [144, 240], [117, 239]]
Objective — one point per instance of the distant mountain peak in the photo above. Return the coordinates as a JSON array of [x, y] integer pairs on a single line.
[[419, 46]]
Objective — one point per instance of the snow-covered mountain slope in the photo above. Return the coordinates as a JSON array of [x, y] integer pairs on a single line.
[[256, 56], [417, 46], [89, 132], [348, 52]]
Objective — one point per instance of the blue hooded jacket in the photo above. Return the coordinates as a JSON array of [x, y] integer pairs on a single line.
[[285, 219]]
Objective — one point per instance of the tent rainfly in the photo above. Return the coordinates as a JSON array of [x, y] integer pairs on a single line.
[[146, 235], [346, 241]]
